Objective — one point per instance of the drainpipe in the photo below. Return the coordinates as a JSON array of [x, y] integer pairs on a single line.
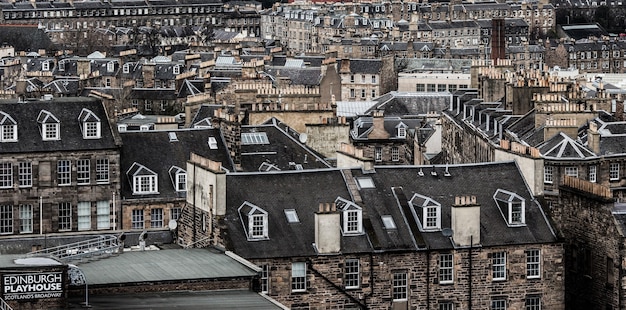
[[428, 279], [470, 272], [194, 204]]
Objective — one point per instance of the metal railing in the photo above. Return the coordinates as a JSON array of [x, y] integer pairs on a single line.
[[4, 305], [101, 246]]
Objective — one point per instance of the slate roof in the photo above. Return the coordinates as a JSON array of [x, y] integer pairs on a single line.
[[561, 146], [365, 125], [394, 188], [283, 150], [155, 151], [25, 37], [364, 66], [206, 111], [67, 111], [298, 76], [411, 103]]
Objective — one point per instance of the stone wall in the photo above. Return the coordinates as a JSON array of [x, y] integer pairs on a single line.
[[592, 248], [460, 144], [293, 119], [325, 287], [326, 138]]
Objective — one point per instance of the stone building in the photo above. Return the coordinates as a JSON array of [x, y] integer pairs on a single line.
[[384, 237], [71, 22], [592, 226], [60, 168], [154, 185]]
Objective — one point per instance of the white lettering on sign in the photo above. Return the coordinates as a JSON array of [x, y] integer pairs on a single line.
[[32, 285]]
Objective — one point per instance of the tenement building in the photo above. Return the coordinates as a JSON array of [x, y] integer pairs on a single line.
[[381, 237], [59, 167]]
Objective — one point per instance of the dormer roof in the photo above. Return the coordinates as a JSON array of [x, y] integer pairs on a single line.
[[561, 146], [64, 111]]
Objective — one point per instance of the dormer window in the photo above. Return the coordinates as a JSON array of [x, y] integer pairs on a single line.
[[110, 66], [126, 68], [142, 180], [351, 217], [254, 220], [212, 143], [427, 211], [49, 126], [401, 130], [179, 178], [45, 66], [90, 124], [8, 128], [176, 70], [62, 65], [512, 206]]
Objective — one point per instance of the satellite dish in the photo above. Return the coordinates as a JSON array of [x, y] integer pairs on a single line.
[[446, 232], [172, 224], [303, 137]]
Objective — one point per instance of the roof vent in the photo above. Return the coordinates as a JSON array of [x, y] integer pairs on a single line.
[[421, 173], [447, 173], [433, 172], [173, 137]]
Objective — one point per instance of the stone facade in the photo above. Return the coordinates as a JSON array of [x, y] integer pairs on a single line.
[[476, 288], [594, 245]]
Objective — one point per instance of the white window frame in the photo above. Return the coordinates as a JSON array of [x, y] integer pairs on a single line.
[[45, 65], [614, 172], [532, 303], [378, 153], [265, 279], [352, 274], [102, 170], [25, 174], [257, 224], [6, 174], [65, 216], [126, 68], [571, 171], [156, 218], [103, 214], [399, 286], [175, 213], [83, 169], [352, 221], [110, 66], [145, 184], [181, 181], [8, 128], [298, 277], [137, 219], [533, 264], [64, 172], [395, 153], [26, 218], [498, 304], [548, 174], [50, 126], [6, 219], [446, 268], [593, 173], [50, 131], [431, 213], [498, 266], [83, 209]]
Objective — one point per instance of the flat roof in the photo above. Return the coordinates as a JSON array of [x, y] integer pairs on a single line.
[[188, 300], [163, 265]]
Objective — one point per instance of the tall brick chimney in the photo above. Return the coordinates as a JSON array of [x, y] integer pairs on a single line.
[[327, 229], [378, 130], [593, 138], [466, 221]]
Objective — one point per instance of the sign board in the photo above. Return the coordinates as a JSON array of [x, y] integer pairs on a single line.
[[22, 286]]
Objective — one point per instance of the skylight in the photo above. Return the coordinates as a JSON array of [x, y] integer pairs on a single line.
[[249, 138], [292, 216], [365, 182], [388, 222]]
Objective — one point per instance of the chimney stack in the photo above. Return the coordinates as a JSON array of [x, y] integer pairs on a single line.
[[327, 229], [466, 221], [593, 138]]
